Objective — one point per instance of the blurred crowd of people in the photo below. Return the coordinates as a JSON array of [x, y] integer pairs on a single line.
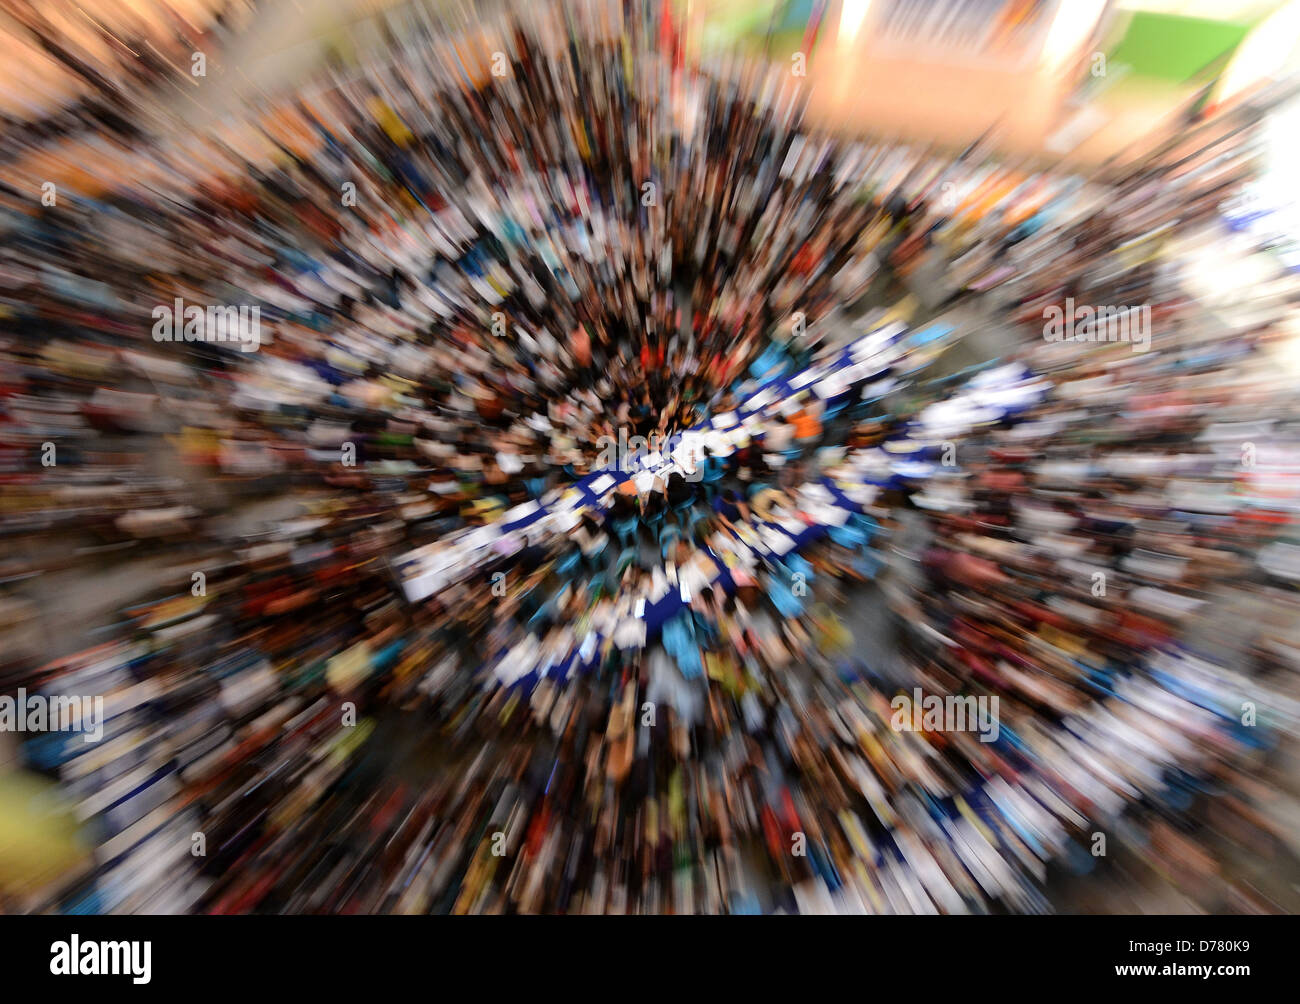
[[478, 265], [493, 309]]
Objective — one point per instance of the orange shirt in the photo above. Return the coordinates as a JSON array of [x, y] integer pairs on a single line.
[[581, 342], [806, 425]]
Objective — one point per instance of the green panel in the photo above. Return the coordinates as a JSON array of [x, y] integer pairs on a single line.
[[1174, 48], [729, 22]]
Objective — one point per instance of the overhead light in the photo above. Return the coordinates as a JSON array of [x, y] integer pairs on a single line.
[[852, 14], [1073, 22], [1264, 53]]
